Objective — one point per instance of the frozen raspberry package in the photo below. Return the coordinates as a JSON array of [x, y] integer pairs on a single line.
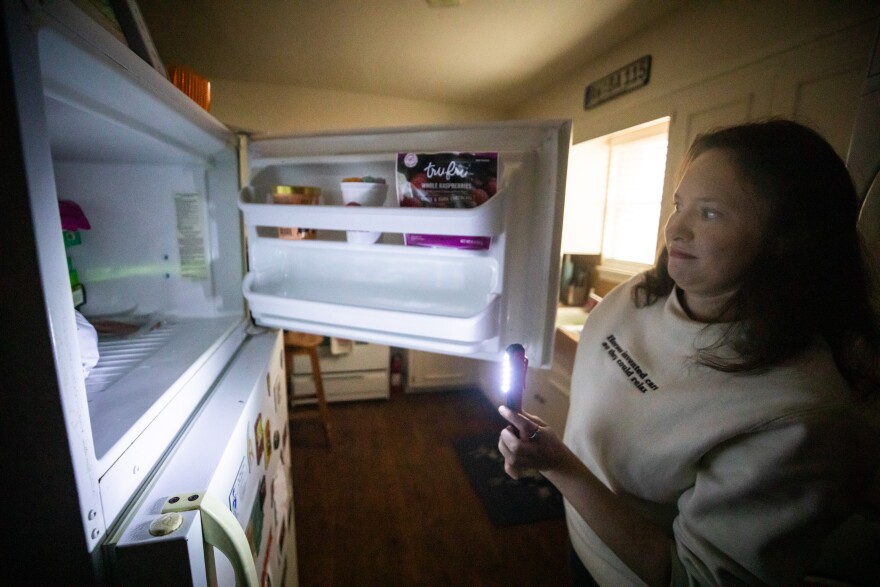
[[446, 180]]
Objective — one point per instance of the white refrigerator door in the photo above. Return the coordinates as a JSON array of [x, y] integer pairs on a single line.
[[463, 302], [236, 453]]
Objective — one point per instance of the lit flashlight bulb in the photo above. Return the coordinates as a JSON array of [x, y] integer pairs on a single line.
[[513, 376]]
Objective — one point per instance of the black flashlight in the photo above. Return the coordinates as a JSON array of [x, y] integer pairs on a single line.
[[513, 376]]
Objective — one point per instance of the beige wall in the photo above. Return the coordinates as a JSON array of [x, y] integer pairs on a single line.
[[718, 63], [296, 110], [704, 45], [700, 47]]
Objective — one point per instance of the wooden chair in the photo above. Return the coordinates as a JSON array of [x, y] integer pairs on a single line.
[[298, 343]]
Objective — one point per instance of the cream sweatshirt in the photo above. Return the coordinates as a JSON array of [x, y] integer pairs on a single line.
[[746, 473]]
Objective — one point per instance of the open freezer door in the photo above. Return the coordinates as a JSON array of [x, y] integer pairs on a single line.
[[488, 279]]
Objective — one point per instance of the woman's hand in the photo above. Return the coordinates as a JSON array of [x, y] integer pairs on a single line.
[[535, 447], [641, 545]]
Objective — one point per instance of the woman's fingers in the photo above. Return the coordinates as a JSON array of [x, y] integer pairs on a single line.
[[536, 419], [518, 454], [507, 435], [526, 425]]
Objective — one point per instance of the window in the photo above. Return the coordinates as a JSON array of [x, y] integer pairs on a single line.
[[612, 203]]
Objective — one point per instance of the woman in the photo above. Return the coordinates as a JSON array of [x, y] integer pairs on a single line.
[[716, 400]]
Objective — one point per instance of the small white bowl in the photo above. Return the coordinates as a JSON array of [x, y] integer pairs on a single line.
[[362, 237], [364, 193]]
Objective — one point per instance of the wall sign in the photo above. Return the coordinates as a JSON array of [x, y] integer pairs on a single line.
[[626, 79]]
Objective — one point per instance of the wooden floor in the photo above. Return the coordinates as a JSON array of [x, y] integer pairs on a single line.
[[388, 504]]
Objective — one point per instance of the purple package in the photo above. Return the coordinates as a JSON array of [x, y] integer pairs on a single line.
[[446, 180]]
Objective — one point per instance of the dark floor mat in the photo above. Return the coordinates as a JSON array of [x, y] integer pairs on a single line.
[[507, 502]]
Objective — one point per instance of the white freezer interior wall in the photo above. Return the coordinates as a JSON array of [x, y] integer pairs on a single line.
[[130, 258], [123, 153]]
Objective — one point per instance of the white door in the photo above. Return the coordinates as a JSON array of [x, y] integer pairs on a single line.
[[444, 300]]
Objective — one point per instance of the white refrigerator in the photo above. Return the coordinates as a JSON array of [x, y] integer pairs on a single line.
[[168, 463]]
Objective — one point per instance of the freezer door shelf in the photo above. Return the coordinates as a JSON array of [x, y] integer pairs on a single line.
[[274, 306], [385, 294], [387, 291], [484, 220]]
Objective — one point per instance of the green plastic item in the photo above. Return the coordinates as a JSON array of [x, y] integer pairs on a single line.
[[71, 238]]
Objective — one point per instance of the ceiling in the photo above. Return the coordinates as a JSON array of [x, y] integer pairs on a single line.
[[489, 53]]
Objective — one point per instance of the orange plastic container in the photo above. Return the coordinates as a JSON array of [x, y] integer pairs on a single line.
[[191, 84]]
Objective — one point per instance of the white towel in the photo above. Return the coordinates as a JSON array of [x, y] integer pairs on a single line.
[[88, 343]]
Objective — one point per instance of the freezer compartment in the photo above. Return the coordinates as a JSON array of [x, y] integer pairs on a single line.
[[163, 238], [154, 174], [156, 178], [164, 248]]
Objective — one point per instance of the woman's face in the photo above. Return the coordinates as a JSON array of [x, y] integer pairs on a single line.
[[714, 232]]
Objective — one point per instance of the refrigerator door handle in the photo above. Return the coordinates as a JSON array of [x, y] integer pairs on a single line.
[[220, 529]]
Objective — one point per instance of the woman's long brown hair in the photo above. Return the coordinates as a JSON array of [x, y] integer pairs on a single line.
[[810, 279]]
